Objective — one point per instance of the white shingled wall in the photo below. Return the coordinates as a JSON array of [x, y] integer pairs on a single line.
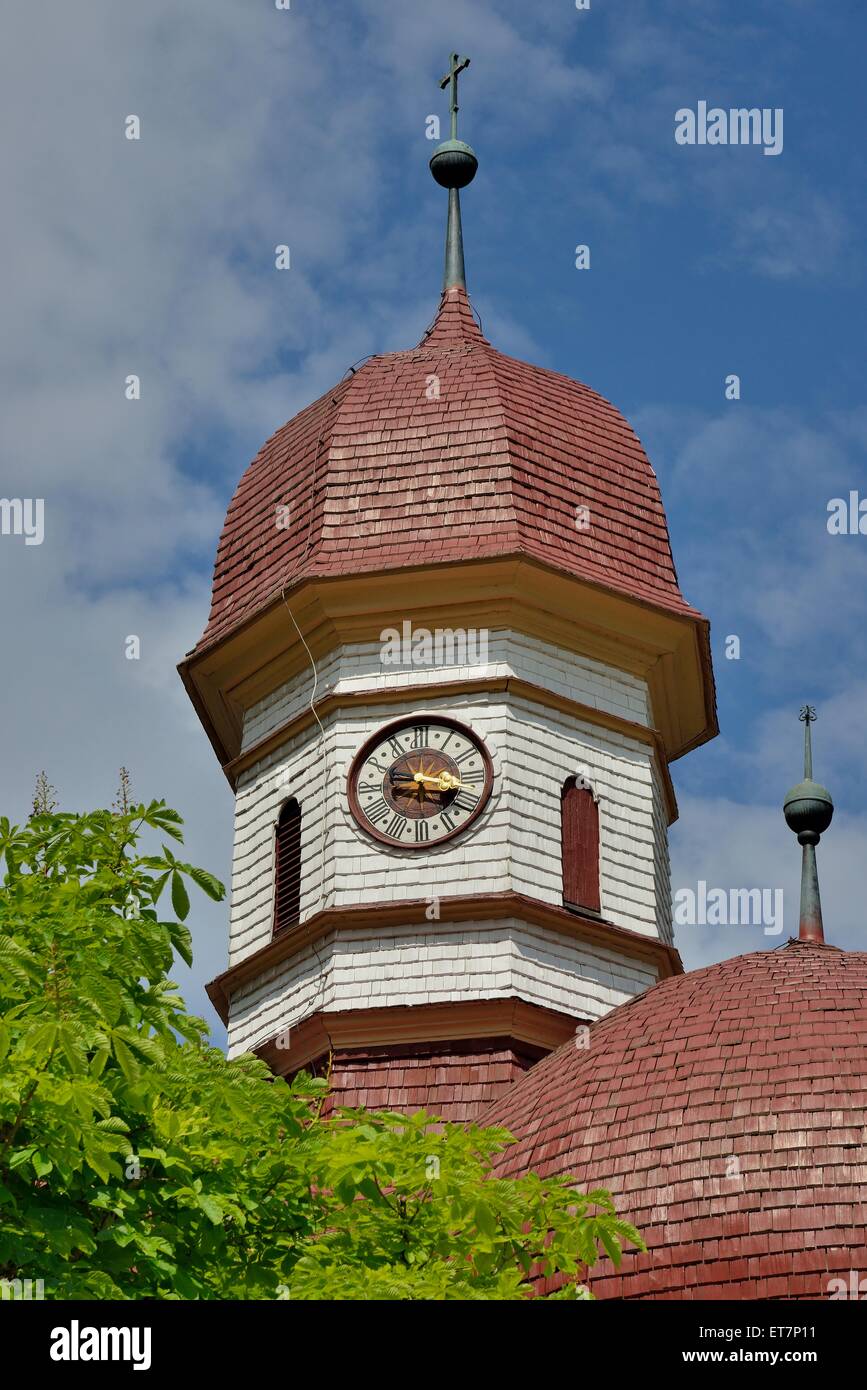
[[514, 846], [358, 667], [435, 963], [661, 862]]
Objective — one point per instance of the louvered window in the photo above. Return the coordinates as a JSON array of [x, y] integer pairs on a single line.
[[579, 819], [287, 889]]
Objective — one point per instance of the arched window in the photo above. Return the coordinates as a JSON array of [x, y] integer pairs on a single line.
[[579, 822], [287, 888]]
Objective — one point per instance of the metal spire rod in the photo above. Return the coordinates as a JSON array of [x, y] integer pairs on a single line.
[[808, 714], [453, 165], [454, 270], [808, 809]]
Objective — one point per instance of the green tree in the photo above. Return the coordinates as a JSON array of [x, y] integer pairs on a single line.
[[137, 1162]]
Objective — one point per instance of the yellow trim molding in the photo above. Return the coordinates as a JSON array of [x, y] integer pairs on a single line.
[[670, 650]]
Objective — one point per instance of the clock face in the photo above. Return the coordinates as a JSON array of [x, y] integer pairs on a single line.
[[419, 781]]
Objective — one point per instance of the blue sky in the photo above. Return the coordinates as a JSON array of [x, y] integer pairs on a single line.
[[308, 127]]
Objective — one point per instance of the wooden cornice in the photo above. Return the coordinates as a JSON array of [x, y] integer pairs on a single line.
[[457, 908], [668, 649], [511, 1019]]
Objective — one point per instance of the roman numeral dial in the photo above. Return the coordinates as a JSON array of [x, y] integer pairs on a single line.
[[419, 782]]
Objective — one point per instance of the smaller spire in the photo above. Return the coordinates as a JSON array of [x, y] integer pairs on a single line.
[[453, 165], [808, 809]]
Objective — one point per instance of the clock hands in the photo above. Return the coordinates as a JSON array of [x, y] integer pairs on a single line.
[[442, 781], [446, 781]]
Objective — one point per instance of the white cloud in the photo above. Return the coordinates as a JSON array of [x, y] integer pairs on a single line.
[[809, 236], [747, 492]]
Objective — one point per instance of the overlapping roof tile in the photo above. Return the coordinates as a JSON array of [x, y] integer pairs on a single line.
[[453, 1081], [726, 1110], [449, 452]]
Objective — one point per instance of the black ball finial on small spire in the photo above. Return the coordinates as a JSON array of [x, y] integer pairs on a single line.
[[808, 809]]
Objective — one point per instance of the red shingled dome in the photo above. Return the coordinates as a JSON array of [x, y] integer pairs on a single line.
[[726, 1109], [448, 452]]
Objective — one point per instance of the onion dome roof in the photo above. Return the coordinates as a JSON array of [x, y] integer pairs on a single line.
[[449, 452]]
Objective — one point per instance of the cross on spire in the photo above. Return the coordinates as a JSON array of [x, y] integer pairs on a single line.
[[456, 65]]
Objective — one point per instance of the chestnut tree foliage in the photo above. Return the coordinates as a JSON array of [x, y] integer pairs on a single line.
[[137, 1162]]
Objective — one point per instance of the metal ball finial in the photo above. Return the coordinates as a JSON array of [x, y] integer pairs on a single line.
[[808, 807], [453, 165], [808, 810]]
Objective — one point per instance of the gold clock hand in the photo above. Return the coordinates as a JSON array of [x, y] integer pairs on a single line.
[[443, 781], [448, 782]]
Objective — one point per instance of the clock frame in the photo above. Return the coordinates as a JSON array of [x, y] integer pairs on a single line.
[[408, 751]]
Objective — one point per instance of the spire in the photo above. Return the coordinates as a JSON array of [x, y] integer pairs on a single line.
[[808, 809], [453, 165]]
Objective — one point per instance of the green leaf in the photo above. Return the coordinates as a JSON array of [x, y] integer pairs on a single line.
[[209, 884], [114, 1124], [159, 884], [98, 1160], [20, 1157], [180, 897], [125, 1059], [162, 817], [182, 941], [147, 1047], [39, 1041], [19, 960], [71, 1049], [212, 1209], [484, 1219]]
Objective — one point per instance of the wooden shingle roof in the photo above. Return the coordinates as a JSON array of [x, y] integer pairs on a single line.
[[449, 452], [726, 1110]]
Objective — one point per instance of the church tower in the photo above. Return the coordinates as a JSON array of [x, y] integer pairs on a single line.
[[446, 668]]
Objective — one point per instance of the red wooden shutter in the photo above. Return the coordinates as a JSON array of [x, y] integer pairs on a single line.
[[287, 890], [579, 819]]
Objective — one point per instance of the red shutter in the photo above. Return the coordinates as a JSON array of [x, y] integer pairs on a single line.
[[287, 889], [579, 818]]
